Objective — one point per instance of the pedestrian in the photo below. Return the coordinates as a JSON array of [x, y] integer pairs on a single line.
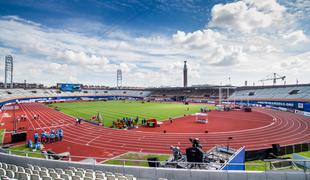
[[137, 120], [52, 137], [41, 137], [170, 120], [61, 133], [76, 120], [56, 136], [47, 135], [36, 136]]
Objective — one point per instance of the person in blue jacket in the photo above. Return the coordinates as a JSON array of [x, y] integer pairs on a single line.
[[61, 133], [52, 137], [36, 137], [47, 135], [41, 135], [56, 135]]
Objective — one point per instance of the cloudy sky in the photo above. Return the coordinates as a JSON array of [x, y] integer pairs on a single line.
[[87, 41]]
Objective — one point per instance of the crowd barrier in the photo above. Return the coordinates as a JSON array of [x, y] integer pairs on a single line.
[[264, 153], [304, 113]]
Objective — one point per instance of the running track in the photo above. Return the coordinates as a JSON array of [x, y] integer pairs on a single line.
[[95, 141]]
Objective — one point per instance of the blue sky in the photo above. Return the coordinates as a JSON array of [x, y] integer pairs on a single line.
[[138, 17], [150, 39]]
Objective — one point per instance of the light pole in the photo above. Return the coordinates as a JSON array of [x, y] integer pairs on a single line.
[[14, 118]]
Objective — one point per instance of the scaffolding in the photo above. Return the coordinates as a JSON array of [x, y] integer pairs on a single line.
[[8, 72], [119, 79]]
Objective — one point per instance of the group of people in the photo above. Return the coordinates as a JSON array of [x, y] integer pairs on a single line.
[[143, 122], [126, 122], [49, 137], [25, 117]]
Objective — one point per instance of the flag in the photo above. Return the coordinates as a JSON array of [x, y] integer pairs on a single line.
[[99, 118]]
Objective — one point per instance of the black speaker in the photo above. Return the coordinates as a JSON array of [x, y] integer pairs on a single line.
[[276, 149], [19, 137], [153, 162], [194, 154]]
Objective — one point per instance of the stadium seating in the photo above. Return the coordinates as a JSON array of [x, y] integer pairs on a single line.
[[24, 93], [208, 92], [11, 171], [272, 92]]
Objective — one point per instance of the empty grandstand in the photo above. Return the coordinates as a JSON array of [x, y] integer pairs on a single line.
[[211, 92], [287, 96]]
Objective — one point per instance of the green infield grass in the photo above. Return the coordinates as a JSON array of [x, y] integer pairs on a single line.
[[112, 110], [23, 150], [136, 159]]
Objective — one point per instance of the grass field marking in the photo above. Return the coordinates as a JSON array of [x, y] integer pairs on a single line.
[[113, 158], [93, 140]]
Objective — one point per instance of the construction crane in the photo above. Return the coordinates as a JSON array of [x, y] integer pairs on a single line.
[[273, 77]]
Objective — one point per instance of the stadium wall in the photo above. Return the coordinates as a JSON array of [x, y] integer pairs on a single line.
[[156, 173]]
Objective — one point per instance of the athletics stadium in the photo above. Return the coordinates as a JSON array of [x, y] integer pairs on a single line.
[[88, 117]]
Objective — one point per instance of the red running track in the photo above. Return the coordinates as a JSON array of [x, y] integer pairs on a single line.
[[218, 121], [94, 141]]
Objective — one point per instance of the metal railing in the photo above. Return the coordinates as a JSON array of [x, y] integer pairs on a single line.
[[266, 165]]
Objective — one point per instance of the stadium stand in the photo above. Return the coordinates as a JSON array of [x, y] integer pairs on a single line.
[[11, 171], [293, 97], [24, 93], [205, 92], [288, 92]]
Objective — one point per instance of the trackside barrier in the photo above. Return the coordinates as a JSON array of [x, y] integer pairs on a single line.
[[155, 173], [304, 163], [302, 113], [263, 153]]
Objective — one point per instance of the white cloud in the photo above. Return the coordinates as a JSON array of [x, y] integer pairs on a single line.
[[226, 57], [248, 15], [197, 39], [296, 37]]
